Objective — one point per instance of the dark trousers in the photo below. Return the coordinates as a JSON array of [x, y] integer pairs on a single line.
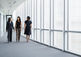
[[18, 32], [10, 35]]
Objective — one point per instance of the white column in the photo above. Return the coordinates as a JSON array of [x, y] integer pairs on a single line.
[[4, 23], [0, 24]]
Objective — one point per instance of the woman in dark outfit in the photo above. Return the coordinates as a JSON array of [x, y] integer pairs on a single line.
[[27, 28], [18, 29], [9, 28]]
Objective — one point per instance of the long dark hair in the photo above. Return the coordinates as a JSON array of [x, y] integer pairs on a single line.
[[9, 19], [28, 18], [19, 19]]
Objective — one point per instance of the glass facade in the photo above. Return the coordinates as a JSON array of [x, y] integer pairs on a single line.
[[54, 22]]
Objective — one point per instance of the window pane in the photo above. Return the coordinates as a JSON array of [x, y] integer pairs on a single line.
[[32, 34], [46, 13], [75, 42], [34, 21], [75, 15], [38, 13], [29, 7], [41, 12], [46, 37], [52, 38], [38, 35], [58, 14], [58, 39], [35, 35], [35, 14], [42, 36], [52, 14]]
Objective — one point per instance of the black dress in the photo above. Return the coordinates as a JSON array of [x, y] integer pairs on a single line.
[[28, 27]]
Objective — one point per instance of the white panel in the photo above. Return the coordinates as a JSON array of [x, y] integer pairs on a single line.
[[0, 24], [58, 40], [29, 7], [46, 38], [38, 35], [46, 14], [33, 14], [52, 38], [52, 14], [38, 13], [35, 35], [58, 14], [4, 23], [42, 37], [42, 13], [75, 15], [75, 42]]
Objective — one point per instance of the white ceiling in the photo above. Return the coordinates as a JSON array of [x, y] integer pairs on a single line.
[[7, 6]]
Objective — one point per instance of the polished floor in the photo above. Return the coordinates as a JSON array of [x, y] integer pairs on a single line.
[[31, 49]]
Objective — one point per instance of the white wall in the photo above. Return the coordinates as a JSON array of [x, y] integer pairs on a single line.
[[4, 23], [1, 24]]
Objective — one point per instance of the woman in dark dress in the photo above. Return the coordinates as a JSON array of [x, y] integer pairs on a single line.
[[18, 28], [27, 28], [9, 28]]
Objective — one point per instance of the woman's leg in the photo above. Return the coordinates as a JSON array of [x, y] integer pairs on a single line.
[[10, 35], [19, 32], [16, 35], [27, 37]]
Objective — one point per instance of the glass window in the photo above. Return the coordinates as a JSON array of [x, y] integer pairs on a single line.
[[75, 15], [42, 13], [35, 35], [32, 34], [52, 38], [75, 42], [35, 14], [46, 14], [58, 40], [32, 13], [46, 37], [38, 35], [42, 37], [58, 14], [38, 13], [29, 7], [52, 14]]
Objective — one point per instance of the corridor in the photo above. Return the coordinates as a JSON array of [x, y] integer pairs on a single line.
[[31, 49], [54, 27]]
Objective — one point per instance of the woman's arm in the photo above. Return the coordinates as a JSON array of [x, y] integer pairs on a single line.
[[15, 25], [31, 25], [12, 25], [24, 26], [7, 26]]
